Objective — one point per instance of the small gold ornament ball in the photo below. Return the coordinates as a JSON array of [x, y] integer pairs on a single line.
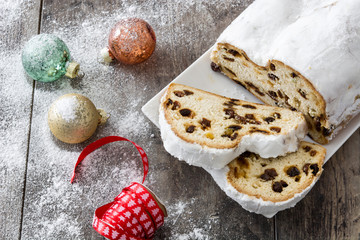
[[73, 118]]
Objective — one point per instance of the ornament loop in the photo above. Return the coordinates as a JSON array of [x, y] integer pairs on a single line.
[[106, 56], [72, 70], [104, 116]]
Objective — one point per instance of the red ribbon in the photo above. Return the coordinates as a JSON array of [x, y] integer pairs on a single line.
[[105, 140], [134, 214]]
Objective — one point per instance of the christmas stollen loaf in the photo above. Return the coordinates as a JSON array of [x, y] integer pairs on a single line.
[[266, 186], [300, 54], [208, 130]]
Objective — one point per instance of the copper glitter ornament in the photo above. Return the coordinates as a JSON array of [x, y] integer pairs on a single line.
[[73, 118], [131, 41]]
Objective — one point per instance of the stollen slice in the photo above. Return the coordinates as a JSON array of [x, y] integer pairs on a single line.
[[209, 130], [266, 186]]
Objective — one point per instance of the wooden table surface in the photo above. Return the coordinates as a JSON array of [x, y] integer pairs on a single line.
[[38, 202]]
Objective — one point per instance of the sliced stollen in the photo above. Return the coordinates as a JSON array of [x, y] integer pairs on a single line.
[[300, 54], [209, 130], [266, 186]]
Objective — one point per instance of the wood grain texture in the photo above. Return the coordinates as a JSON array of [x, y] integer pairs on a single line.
[[332, 209], [198, 209], [18, 22]]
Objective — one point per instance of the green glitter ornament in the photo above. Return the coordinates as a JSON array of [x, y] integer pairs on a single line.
[[46, 58]]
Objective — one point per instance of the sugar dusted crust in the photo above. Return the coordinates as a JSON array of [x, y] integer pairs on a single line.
[[319, 39], [254, 176], [276, 84]]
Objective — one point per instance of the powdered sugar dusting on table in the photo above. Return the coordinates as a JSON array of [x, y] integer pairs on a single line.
[[13, 125], [195, 233], [11, 11], [180, 213]]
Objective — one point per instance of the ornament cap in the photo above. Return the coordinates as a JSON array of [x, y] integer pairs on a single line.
[[72, 70], [103, 116], [106, 55]]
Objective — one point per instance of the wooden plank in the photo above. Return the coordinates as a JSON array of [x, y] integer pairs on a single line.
[[332, 209], [18, 22], [197, 207]]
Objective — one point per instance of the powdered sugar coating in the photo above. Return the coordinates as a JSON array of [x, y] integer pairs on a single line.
[[66, 108], [320, 39], [194, 154]]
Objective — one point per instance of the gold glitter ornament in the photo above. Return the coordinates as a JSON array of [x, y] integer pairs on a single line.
[[73, 118]]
